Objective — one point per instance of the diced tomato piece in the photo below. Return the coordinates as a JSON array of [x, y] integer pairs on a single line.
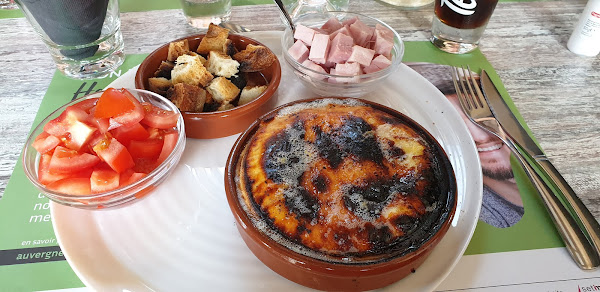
[[115, 154], [79, 134], [120, 106], [149, 148], [130, 132], [45, 142], [71, 127], [170, 140], [44, 175], [86, 104], [159, 118], [72, 186], [145, 165], [65, 160], [101, 124], [104, 179], [112, 103], [156, 133], [129, 176], [97, 137], [60, 126]]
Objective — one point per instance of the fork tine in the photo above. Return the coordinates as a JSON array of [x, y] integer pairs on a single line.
[[463, 84], [478, 94], [463, 100], [468, 88], [482, 98]]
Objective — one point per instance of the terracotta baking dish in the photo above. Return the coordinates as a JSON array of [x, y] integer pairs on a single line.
[[223, 123], [341, 276]]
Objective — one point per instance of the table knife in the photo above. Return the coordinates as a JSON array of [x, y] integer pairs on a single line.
[[544, 166]]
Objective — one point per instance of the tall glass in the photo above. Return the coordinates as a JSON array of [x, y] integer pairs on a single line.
[[458, 25], [83, 36], [200, 13]]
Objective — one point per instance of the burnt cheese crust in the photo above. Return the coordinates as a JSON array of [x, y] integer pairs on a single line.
[[343, 178]]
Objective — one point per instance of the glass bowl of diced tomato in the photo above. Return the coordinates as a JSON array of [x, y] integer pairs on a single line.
[[105, 149]]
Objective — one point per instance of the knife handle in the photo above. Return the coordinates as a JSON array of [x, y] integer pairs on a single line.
[[581, 211], [583, 253]]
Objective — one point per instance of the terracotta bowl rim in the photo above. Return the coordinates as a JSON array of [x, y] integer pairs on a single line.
[[311, 264]]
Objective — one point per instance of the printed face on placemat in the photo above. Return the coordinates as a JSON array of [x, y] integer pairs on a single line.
[[502, 204]]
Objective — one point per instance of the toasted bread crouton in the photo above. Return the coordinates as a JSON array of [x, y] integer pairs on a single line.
[[177, 49], [214, 40], [159, 85], [189, 70], [222, 90], [209, 98], [249, 93], [202, 59], [225, 107], [164, 70], [188, 98], [254, 58], [221, 64]]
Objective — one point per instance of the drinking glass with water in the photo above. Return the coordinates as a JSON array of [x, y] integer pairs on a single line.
[[200, 13]]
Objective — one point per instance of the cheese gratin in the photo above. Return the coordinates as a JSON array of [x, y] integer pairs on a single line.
[[343, 178]]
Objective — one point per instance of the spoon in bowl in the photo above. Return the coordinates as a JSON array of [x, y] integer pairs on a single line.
[[286, 14]]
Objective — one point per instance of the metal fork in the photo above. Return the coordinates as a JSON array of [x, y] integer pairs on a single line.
[[477, 109]]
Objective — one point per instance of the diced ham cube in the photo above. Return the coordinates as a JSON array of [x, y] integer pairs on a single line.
[[311, 65], [304, 34], [370, 69], [332, 25], [361, 55], [319, 49], [384, 32], [332, 79], [361, 33], [340, 49], [328, 65], [343, 30], [350, 21], [298, 51], [320, 30], [348, 69], [379, 63], [384, 41]]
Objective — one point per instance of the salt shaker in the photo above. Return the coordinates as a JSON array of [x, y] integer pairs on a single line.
[[585, 39]]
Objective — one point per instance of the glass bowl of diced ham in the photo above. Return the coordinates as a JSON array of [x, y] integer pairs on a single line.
[[342, 53], [105, 149]]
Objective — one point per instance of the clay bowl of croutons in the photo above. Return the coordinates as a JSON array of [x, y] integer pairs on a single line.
[[220, 82]]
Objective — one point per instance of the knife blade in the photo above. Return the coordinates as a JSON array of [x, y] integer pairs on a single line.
[[506, 118], [543, 166]]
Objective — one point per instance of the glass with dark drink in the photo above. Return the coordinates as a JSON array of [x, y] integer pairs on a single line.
[[459, 24]]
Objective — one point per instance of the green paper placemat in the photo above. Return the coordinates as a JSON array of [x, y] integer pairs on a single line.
[[30, 258]]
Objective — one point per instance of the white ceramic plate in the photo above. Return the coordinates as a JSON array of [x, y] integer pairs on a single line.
[[183, 236]]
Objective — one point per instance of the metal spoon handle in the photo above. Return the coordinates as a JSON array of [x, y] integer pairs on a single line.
[[286, 15]]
